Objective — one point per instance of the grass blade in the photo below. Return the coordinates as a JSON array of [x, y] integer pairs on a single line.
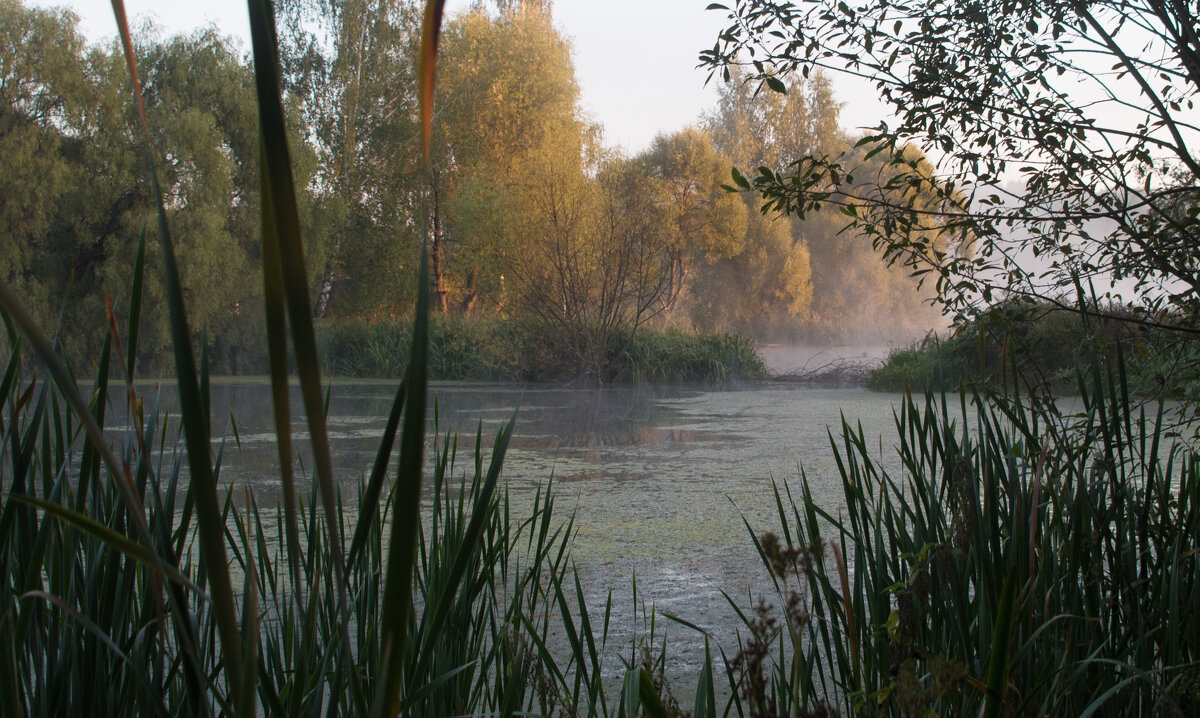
[[119, 542], [192, 408], [998, 662], [406, 506], [282, 217], [468, 550], [369, 506]]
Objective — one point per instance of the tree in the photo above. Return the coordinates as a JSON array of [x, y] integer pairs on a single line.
[[757, 128], [824, 281], [44, 93], [1062, 133], [768, 282], [352, 65], [597, 262], [498, 120], [77, 196], [704, 223]]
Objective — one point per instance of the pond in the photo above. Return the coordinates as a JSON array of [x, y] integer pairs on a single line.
[[661, 480]]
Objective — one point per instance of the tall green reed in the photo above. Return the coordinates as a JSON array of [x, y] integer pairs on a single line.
[[1025, 560]]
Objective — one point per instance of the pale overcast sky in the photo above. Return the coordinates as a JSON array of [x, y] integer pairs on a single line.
[[635, 60]]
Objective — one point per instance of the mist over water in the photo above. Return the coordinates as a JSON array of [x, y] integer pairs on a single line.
[[659, 478], [800, 359]]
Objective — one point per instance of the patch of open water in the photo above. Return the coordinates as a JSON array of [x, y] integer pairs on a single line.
[[662, 480]]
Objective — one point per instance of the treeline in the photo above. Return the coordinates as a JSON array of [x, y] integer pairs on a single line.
[[1050, 344], [498, 350], [530, 216]]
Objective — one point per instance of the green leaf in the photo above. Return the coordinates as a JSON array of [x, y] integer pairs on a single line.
[[1002, 639], [706, 700], [135, 305], [651, 703], [192, 406], [738, 179], [406, 506], [282, 224], [469, 550], [117, 541], [369, 506]]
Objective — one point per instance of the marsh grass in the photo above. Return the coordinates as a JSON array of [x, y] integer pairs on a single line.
[[689, 357], [1025, 561], [1048, 342], [83, 623], [459, 348]]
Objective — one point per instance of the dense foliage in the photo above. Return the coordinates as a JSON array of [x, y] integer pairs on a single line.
[[77, 197], [499, 350], [1042, 344], [532, 217], [1064, 135], [806, 266]]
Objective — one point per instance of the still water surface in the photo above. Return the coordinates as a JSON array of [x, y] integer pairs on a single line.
[[660, 478]]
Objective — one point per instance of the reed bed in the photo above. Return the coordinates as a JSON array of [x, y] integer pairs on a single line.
[[1026, 561], [491, 349], [87, 623]]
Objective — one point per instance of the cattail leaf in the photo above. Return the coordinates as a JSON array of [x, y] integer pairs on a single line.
[[191, 404], [117, 541], [998, 661], [282, 225], [431, 31], [369, 506], [406, 506]]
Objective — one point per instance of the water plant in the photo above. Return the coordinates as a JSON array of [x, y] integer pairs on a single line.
[[1026, 560], [492, 349]]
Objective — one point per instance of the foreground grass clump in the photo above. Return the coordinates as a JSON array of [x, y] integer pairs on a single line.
[[88, 625], [1018, 561], [506, 350]]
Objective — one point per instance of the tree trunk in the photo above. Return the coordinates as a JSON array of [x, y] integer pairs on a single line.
[[470, 293], [322, 304], [437, 289]]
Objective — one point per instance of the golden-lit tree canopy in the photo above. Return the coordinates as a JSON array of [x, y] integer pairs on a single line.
[[528, 215]]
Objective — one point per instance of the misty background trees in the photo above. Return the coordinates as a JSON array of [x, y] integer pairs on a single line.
[[1064, 133], [531, 216]]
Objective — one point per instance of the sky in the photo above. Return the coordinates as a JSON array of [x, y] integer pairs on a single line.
[[635, 60]]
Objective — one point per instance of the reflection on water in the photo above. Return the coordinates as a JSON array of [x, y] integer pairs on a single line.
[[659, 478]]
